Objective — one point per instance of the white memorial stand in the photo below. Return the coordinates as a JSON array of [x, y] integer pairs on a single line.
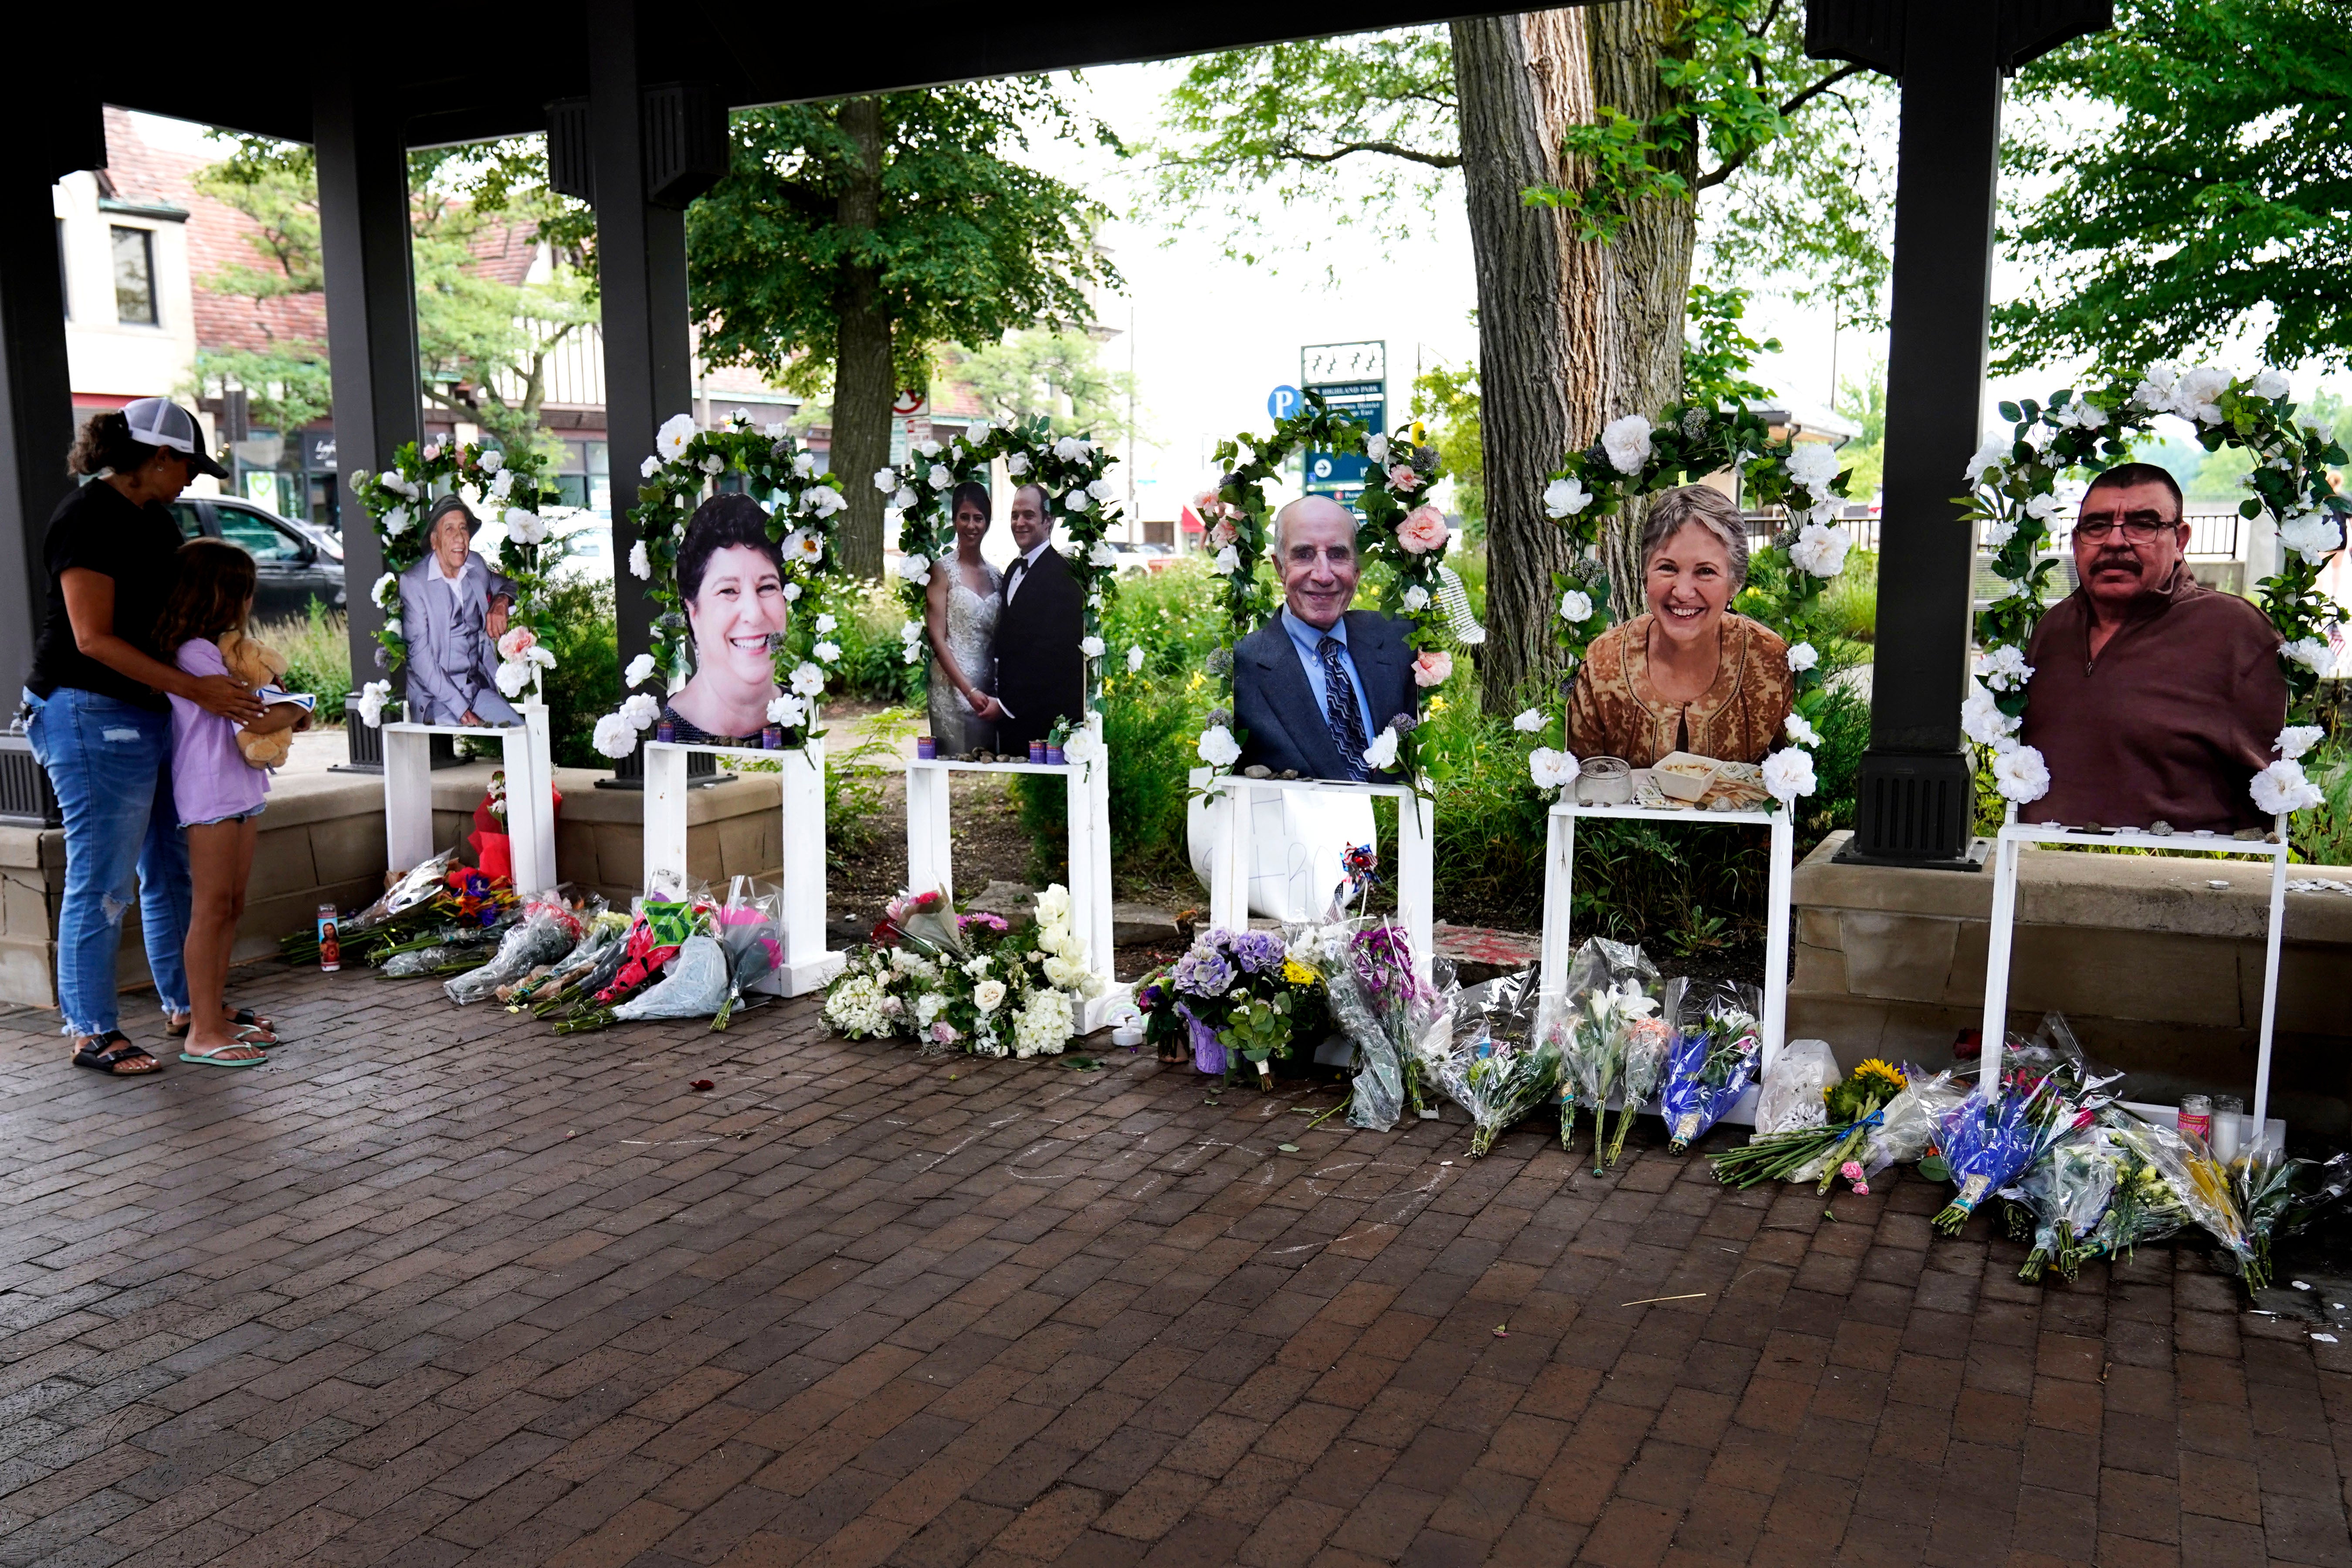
[[930, 858], [531, 794], [807, 963], [1230, 822], [2015, 835], [1560, 880]]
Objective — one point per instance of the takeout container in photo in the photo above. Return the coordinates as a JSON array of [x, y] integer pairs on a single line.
[[1684, 775]]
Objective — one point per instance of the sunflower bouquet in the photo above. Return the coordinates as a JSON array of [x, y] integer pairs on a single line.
[[1856, 1107]]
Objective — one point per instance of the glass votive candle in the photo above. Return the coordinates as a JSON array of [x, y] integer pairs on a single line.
[[1037, 751], [1053, 757], [771, 738], [927, 749], [665, 731]]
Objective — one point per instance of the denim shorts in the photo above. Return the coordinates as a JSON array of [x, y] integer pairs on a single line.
[[216, 821]]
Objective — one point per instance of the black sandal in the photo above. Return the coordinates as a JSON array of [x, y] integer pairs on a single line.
[[112, 1062], [244, 1018]]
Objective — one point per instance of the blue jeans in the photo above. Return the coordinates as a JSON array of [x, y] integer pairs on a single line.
[[110, 764]]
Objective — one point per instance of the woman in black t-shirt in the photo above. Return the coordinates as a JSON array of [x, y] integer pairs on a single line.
[[97, 715]]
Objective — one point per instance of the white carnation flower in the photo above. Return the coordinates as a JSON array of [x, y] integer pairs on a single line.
[[1993, 453], [788, 711], [1800, 730], [1982, 720], [1072, 448], [649, 467], [1104, 488], [886, 480], [396, 521], [1789, 774], [1998, 533], [1091, 647], [513, 676], [2269, 385], [1417, 599], [2311, 653], [2281, 788], [1227, 562], [1813, 465], [1528, 723], [1802, 657], [503, 485], [1381, 755], [804, 465], [386, 591], [714, 464], [826, 652], [2296, 738], [1218, 748], [641, 565], [372, 696], [1551, 769], [2314, 535], [615, 736], [824, 501], [640, 710], [678, 433], [2004, 669], [1565, 498], [2022, 774], [1819, 552], [824, 624], [808, 679], [1627, 442], [916, 569], [640, 670]]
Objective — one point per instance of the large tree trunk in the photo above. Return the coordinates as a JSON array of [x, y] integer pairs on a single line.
[[1542, 334], [861, 380], [1647, 268]]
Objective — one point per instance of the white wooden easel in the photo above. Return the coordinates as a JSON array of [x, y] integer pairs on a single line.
[[931, 856], [2016, 835], [1560, 880], [531, 794], [808, 964], [1230, 862]]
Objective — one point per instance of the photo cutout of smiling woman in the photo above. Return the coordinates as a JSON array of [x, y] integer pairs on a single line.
[[730, 576]]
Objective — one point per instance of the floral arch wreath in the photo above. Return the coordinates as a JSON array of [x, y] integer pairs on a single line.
[[500, 486], [2012, 493], [1399, 527], [801, 504], [1074, 473], [1635, 457]]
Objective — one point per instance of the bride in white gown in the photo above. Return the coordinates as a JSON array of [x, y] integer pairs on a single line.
[[964, 598]]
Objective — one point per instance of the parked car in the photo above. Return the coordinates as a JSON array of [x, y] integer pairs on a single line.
[[293, 564]]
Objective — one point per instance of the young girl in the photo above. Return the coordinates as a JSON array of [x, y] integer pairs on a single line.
[[218, 798]]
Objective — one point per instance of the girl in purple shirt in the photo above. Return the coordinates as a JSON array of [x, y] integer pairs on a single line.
[[218, 797]]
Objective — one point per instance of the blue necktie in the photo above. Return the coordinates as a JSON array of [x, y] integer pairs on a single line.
[[1340, 709]]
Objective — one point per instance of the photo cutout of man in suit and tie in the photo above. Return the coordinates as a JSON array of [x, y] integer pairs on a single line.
[[453, 610], [1040, 671], [1316, 684]]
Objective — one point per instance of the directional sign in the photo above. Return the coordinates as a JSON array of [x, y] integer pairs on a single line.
[[1283, 402]]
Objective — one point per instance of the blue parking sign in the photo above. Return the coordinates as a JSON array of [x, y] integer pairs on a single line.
[[1283, 402]]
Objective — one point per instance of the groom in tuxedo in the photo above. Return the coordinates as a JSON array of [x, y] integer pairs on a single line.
[[1040, 671], [1314, 686]]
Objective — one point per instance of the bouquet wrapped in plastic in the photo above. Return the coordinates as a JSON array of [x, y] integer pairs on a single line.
[[600, 935], [2277, 1196], [2068, 1193], [692, 986], [1381, 1005], [749, 929], [548, 928], [1987, 1143], [1853, 1109], [1612, 987], [1493, 1062], [660, 928], [418, 886], [1907, 1123], [1713, 1056], [2199, 1184]]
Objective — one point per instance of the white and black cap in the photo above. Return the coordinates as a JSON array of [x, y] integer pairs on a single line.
[[160, 422]]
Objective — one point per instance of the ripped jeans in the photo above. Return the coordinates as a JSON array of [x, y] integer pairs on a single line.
[[109, 763]]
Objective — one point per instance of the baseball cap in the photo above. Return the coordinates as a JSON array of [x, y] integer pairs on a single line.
[[160, 422]]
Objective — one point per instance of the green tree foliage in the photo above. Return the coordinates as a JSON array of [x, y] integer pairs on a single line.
[[475, 332], [1864, 403], [1045, 373], [1717, 352], [2193, 180], [852, 240], [1446, 398]]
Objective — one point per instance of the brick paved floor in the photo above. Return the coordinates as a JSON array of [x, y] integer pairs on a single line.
[[430, 1291]]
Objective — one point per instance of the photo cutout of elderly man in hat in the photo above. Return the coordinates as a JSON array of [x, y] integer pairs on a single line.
[[453, 610]]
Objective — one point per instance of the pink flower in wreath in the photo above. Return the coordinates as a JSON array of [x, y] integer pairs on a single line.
[[1432, 667], [518, 641], [944, 1033], [1402, 478], [1423, 530], [1222, 534]]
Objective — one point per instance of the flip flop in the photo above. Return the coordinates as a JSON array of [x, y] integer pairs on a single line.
[[244, 1018], [111, 1062], [206, 1060]]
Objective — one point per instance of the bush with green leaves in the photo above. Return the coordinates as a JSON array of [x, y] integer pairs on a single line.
[[318, 652]]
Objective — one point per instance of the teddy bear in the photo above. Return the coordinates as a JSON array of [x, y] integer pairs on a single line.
[[256, 665]]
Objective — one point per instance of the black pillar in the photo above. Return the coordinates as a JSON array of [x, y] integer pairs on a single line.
[[1915, 793], [641, 274], [364, 239], [65, 132]]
